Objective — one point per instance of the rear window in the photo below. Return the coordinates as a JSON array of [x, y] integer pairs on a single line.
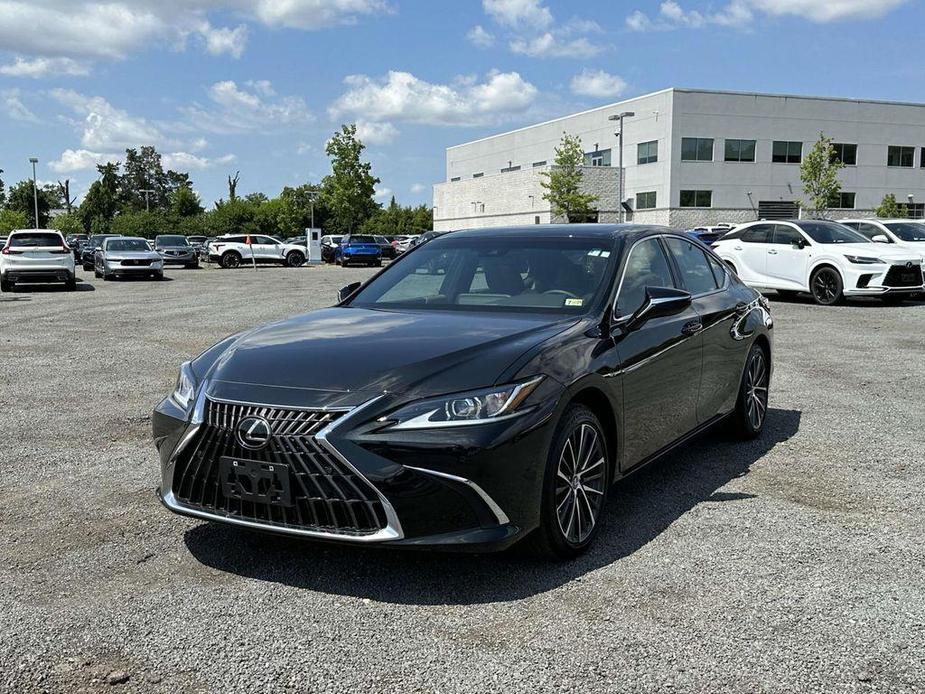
[[362, 239], [35, 239]]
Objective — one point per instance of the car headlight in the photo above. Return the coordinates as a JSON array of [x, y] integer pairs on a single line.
[[186, 386], [864, 260], [477, 407]]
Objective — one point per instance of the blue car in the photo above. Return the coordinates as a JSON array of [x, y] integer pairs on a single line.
[[358, 250], [709, 234]]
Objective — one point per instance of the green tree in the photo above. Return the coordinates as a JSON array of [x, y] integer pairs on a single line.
[[101, 202], [889, 208], [563, 182], [819, 174], [142, 223], [348, 191], [21, 199], [12, 219], [2, 192], [232, 217], [184, 202], [67, 224], [295, 216]]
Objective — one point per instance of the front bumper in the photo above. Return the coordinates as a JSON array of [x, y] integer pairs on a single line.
[[879, 279], [187, 259], [466, 488]]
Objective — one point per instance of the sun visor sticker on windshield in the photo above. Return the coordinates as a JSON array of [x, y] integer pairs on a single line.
[[574, 302]]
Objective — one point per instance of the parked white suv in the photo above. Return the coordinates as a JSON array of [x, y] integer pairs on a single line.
[[36, 255], [231, 250], [826, 259], [907, 234]]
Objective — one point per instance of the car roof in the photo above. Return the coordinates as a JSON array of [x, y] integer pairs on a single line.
[[599, 231], [32, 231]]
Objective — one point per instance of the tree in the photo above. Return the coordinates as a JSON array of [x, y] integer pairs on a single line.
[[184, 202], [67, 224], [2, 192], [65, 191], [101, 202], [22, 199], [233, 186], [299, 206], [563, 182], [348, 191], [819, 174], [889, 208], [12, 219]]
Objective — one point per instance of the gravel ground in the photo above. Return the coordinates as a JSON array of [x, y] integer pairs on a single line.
[[790, 564]]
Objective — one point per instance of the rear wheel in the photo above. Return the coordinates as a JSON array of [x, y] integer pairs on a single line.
[[752, 405], [826, 286], [6, 286], [295, 259], [231, 260], [70, 284], [574, 487]]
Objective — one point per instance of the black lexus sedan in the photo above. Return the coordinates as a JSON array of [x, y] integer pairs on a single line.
[[489, 385]]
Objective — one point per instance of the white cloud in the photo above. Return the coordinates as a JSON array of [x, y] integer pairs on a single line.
[[478, 36], [184, 161], [221, 40], [313, 14], [400, 96], [519, 14], [375, 133], [42, 67], [672, 15], [418, 188], [81, 159], [549, 45], [105, 127], [15, 108], [598, 84], [253, 106], [382, 193]]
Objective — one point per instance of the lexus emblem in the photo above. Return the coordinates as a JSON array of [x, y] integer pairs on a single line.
[[254, 433]]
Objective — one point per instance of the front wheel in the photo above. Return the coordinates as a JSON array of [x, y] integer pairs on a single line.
[[574, 487], [6, 286], [752, 404], [295, 259], [826, 286]]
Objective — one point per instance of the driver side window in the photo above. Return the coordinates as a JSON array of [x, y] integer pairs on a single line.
[[646, 266]]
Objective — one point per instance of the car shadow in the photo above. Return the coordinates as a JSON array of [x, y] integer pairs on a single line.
[[807, 299], [26, 288], [640, 508]]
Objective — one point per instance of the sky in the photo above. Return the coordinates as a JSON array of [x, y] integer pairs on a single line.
[[258, 86]]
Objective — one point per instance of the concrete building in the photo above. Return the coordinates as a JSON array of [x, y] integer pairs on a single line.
[[694, 157]]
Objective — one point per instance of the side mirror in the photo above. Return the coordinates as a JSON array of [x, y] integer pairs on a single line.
[[798, 245], [345, 292], [659, 302], [879, 238]]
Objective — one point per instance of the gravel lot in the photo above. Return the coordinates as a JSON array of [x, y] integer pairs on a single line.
[[791, 564]]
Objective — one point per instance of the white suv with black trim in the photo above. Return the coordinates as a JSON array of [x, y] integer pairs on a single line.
[[826, 259], [36, 255], [905, 234], [231, 250]]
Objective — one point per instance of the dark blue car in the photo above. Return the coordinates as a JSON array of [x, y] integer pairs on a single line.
[[357, 249]]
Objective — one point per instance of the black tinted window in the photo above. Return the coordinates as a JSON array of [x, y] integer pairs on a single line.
[[692, 262], [32, 240], [760, 233], [786, 235], [646, 266]]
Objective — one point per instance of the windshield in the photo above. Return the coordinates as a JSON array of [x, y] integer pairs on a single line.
[[832, 232], [162, 241], [493, 274], [33, 240], [907, 231], [362, 239], [127, 245]]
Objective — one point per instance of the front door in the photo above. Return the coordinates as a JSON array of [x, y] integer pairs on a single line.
[[266, 248], [660, 363], [787, 262], [752, 253]]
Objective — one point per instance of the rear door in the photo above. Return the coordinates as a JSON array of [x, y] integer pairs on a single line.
[[660, 363], [787, 262]]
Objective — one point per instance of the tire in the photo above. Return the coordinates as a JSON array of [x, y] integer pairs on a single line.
[[826, 286], [295, 259], [748, 418], [378, 263], [159, 276], [230, 260], [70, 284], [6, 286], [96, 273], [566, 509]]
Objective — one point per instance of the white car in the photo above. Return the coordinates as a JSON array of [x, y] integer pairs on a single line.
[[907, 234], [826, 259], [36, 255], [232, 250]]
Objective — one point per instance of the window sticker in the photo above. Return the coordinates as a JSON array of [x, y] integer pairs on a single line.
[[574, 302]]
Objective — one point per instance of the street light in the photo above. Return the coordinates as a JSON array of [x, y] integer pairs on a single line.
[[35, 190], [619, 117], [147, 191]]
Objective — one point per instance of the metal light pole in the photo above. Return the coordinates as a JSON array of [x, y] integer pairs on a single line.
[[35, 190], [911, 213], [146, 191], [619, 117]]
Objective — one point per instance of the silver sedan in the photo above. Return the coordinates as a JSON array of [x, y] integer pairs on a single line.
[[123, 256]]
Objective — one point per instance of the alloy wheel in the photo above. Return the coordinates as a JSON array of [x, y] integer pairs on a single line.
[[580, 479], [825, 287], [756, 390]]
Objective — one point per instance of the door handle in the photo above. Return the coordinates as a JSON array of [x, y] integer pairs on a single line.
[[692, 327], [738, 248], [772, 252]]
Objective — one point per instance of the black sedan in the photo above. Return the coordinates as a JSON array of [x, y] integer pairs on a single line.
[[488, 386], [89, 249]]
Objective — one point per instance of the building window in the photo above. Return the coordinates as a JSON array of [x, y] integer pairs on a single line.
[[843, 201], [900, 156], [696, 149], [696, 198], [536, 219], [845, 153], [478, 175], [647, 152], [599, 157], [645, 201], [786, 152], [508, 169], [740, 150], [454, 179], [539, 163]]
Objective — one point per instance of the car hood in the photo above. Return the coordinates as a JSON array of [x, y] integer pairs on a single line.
[[871, 250], [360, 350]]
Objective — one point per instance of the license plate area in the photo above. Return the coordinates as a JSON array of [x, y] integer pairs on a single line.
[[255, 481]]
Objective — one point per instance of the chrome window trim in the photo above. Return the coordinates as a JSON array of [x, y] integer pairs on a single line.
[[499, 514]]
